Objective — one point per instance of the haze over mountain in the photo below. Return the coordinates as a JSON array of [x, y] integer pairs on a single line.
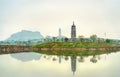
[[25, 35]]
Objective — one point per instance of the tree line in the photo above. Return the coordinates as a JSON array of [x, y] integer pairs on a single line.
[[80, 38]]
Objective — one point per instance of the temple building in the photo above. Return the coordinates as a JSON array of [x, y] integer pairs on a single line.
[[73, 33]]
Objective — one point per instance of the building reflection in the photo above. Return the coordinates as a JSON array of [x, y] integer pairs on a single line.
[[73, 64], [60, 57], [73, 60]]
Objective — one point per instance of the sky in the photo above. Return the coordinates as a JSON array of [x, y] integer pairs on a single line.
[[98, 17]]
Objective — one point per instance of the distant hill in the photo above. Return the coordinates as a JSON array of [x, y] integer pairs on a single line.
[[25, 35]]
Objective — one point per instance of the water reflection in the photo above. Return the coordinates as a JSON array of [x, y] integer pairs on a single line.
[[93, 59], [60, 59], [26, 57], [74, 59], [60, 65], [81, 59], [73, 64]]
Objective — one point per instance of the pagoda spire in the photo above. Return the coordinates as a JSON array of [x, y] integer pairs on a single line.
[[73, 22]]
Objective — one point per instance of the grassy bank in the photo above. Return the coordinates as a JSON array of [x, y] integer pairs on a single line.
[[72, 45], [72, 51]]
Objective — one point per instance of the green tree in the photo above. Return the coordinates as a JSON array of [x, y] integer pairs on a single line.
[[81, 38], [108, 40], [48, 39], [100, 40], [66, 39], [54, 39], [93, 38]]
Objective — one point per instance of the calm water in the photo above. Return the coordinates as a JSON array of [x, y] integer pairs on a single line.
[[40, 65]]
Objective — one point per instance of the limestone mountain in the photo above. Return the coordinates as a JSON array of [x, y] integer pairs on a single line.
[[25, 35]]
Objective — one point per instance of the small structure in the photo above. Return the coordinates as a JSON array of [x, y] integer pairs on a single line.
[[60, 37], [59, 33]]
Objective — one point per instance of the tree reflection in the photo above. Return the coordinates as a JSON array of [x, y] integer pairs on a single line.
[[66, 58], [54, 59], [93, 59], [72, 59], [81, 59], [98, 57], [49, 57], [44, 56]]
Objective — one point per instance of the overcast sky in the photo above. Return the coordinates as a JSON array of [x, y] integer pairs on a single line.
[[47, 16]]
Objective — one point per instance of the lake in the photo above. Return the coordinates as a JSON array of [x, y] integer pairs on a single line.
[[31, 64]]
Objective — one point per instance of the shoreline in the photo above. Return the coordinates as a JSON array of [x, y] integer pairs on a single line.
[[12, 48], [78, 49]]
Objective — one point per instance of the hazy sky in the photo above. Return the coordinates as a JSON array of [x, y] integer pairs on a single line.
[[47, 16]]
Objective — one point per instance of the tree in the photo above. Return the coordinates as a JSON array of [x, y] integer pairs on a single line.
[[81, 38], [108, 40], [100, 40], [48, 39], [93, 38], [54, 39], [66, 39], [28, 43]]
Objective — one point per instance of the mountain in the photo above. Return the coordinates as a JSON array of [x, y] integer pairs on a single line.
[[25, 35]]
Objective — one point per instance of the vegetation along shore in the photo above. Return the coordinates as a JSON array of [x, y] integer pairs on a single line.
[[76, 46]]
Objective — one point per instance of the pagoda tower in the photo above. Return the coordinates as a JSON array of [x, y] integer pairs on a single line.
[[73, 32]]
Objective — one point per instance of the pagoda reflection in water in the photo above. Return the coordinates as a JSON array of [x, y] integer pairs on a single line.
[[73, 64]]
